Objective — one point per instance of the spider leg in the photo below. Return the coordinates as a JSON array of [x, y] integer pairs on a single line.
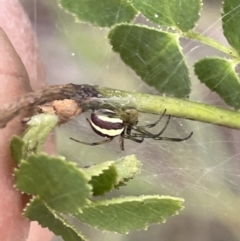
[[121, 140], [131, 136], [134, 138], [93, 143], [137, 140], [148, 134], [173, 139], [164, 128], [156, 122], [134, 135], [140, 132], [88, 121]]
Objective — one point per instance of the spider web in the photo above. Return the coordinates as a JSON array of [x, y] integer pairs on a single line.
[[204, 170]]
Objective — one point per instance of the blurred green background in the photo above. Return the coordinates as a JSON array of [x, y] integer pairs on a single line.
[[204, 170]]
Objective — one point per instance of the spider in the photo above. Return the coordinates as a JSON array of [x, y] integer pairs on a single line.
[[110, 124]]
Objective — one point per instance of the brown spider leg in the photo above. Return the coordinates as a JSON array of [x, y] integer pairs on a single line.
[[173, 139], [93, 143]]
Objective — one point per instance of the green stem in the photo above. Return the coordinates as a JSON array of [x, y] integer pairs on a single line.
[[210, 42], [176, 107]]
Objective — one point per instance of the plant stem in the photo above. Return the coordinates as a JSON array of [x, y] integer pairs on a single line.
[[181, 108], [210, 42]]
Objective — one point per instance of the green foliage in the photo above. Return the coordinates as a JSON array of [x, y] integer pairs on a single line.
[[170, 13], [103, 13], [112, 174], [230, 23], [129, 213], [155, 54], [62, 190], [103, 177], [59, 183], [220, 76], [127, 167], [40, 126], [16, 147], [38, 211]]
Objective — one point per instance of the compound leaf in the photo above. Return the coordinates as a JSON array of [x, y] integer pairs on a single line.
[[103, 177], [108, 175], [127, 167], [104, 13], [176, 14], [128, 213], [59, 183], [39, 128], [219, 75], [155, 56], [47, 217], [16, 147], [230, 22]]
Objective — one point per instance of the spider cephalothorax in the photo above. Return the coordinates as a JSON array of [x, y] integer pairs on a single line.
[[123, 123]]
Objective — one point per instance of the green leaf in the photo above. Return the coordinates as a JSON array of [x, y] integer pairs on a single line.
[[230, 23], [109, 175], [127, 213], [177, 14], [219, 75], [46, 217], [16, 147], [127, 167], [155, 56], [104, 13], [103, 177], [59, 183], [39, 129]]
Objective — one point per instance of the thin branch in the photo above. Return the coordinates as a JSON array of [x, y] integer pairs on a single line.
[[95, 97], [181, 108]]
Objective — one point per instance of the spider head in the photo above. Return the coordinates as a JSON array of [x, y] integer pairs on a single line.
[[129, 116]]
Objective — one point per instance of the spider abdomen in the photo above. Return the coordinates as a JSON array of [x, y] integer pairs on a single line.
[[106, 126]]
